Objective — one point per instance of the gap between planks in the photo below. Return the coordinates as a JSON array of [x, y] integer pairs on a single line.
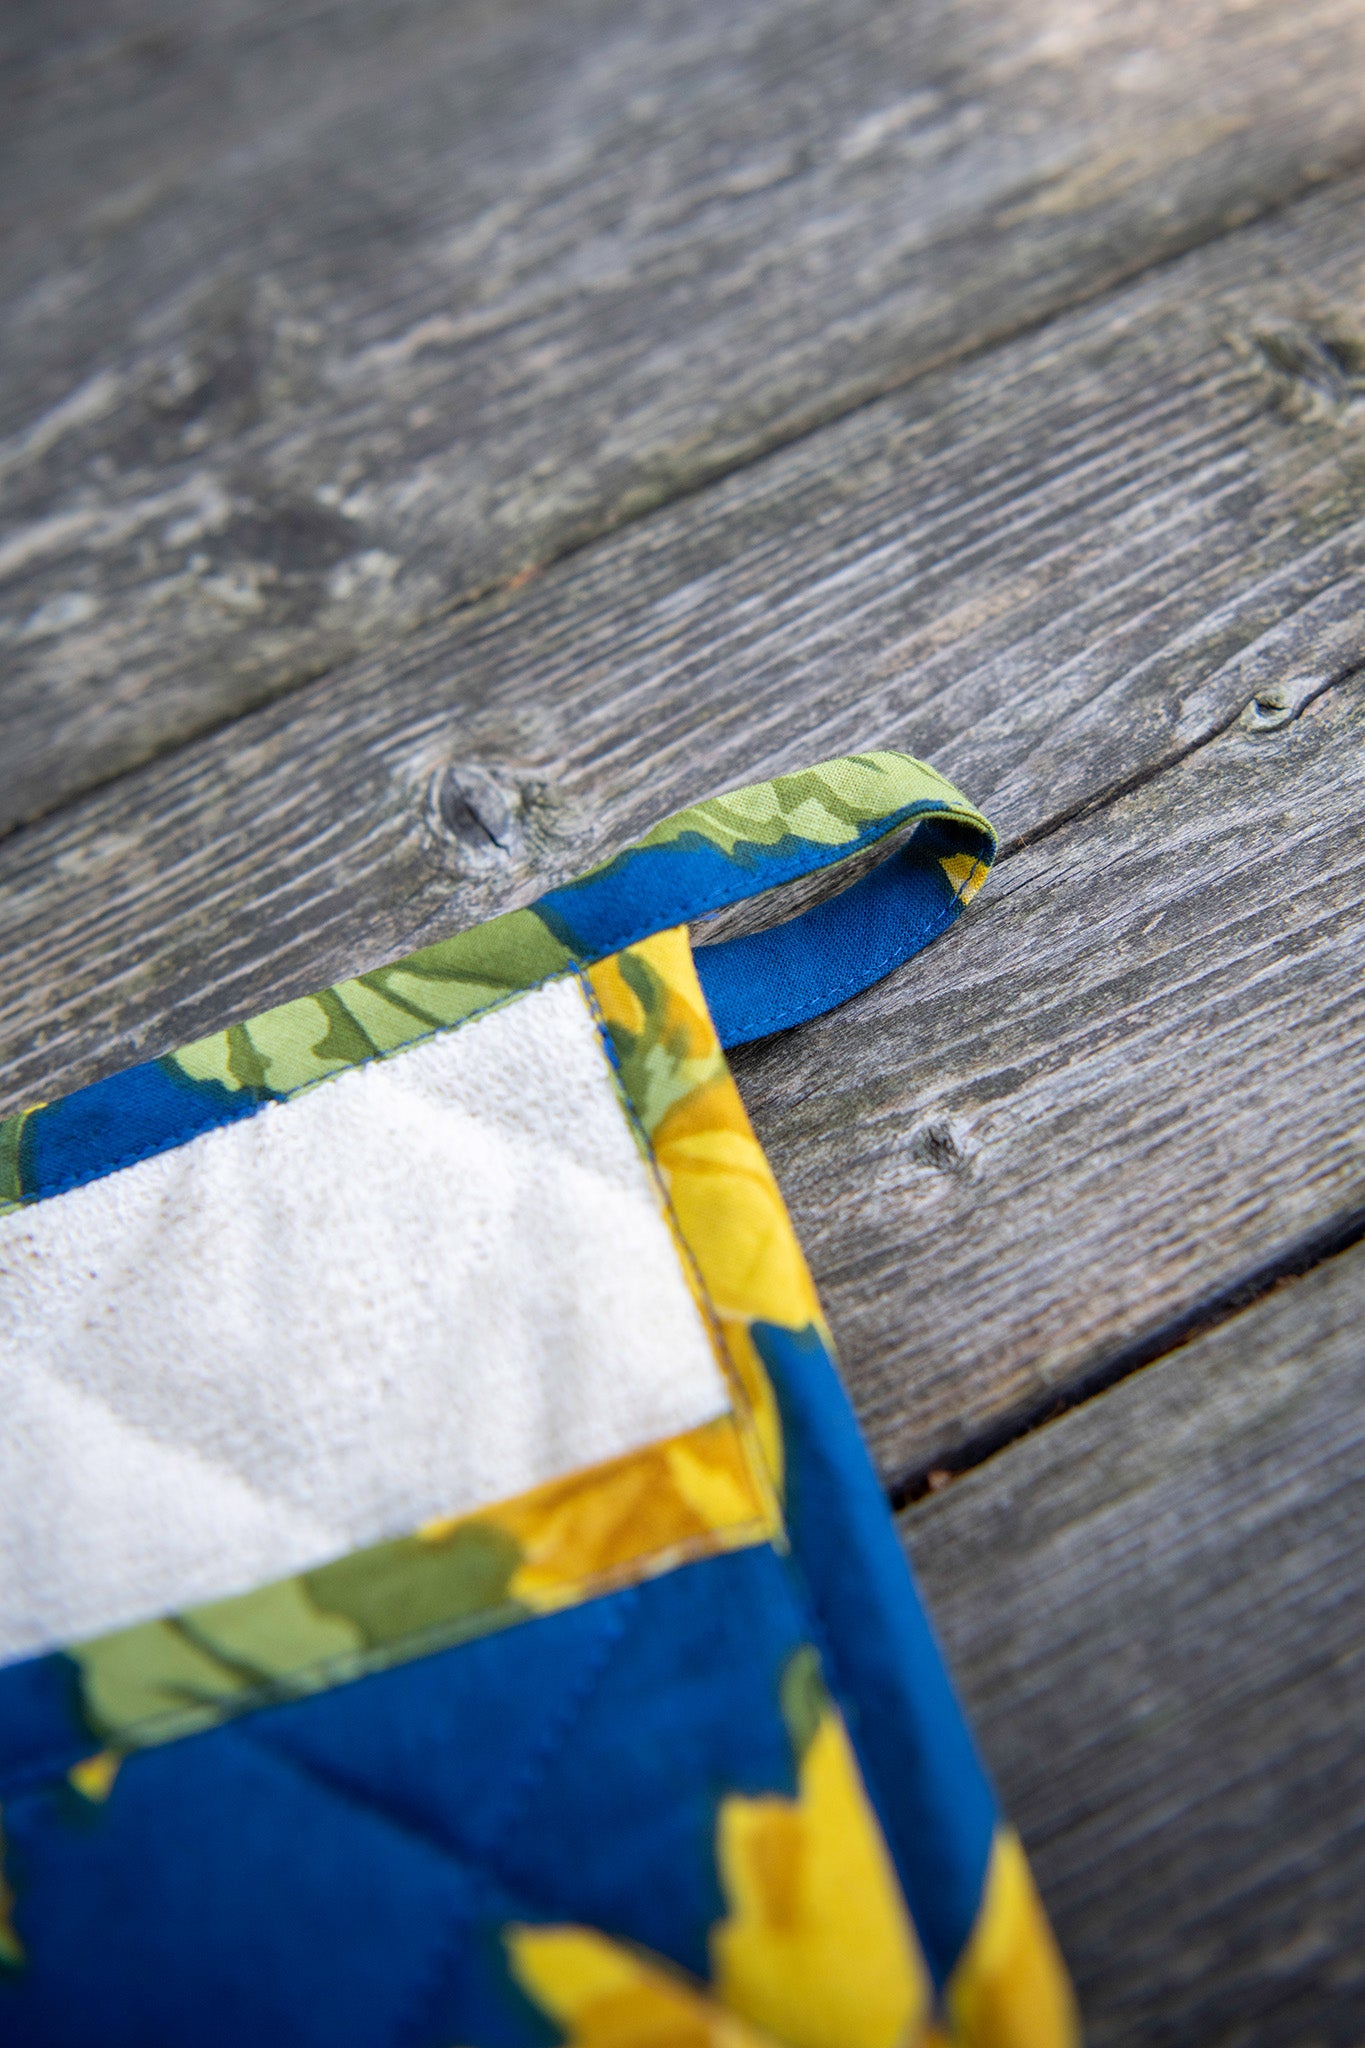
[[1120, 1093], [812, 422], [289, 433], [1152, 1610], [1290, 1264]]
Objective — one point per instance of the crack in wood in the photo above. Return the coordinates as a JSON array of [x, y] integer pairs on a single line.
[[1273, 707], [1152, 1611], [1288, 1265], [394, 415], [1276, 350]]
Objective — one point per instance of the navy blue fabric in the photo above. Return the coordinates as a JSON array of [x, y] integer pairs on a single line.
[[772, 979], [130, 1116], [334, 1873], [40, 1728], [588, 1746], [883, 1665], [224, 1896], [652, 888]]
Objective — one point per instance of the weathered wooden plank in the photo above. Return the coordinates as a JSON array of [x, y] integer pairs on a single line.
[[1130, 1081], [1051, 570], [1152, 1607], [320, 320]]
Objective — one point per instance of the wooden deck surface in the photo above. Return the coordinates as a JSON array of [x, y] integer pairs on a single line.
[[438, 437]]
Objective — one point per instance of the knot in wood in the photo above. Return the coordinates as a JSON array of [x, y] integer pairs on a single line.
[[1319, 372], [472, 811], [1275, 705], [939, 1146]]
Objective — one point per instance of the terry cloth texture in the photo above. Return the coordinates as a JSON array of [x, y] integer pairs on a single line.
[[436, 1281]]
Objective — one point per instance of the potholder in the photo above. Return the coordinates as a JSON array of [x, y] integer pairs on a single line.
[[446, 1603]]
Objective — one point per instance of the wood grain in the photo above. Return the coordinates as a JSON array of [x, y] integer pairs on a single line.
[[1127, 551], [326, 329], [1050, 571], [1153, 1611], [1125, 1083], [319, 321]]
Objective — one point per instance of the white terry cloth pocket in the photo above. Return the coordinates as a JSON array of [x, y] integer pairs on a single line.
[[429, 1283]]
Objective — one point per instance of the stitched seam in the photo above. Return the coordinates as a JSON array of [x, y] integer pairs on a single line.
[[417, 2022], [697, 1287], [411, 2022], [410, 1648], [665, 913], [475, 1865], [824, 1641], [348, 1794], [309, 1680], [662, 917], [839, 991], [486, 1858], [273, 1101], [846, 1697], [538, 1765], [850, 1709]]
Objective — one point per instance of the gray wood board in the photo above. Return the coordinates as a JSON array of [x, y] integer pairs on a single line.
[[1051, 571], [320, 320], [1129, 1080], [1152, 1608]]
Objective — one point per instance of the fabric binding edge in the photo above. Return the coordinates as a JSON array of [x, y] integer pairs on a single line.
[[716, 853]]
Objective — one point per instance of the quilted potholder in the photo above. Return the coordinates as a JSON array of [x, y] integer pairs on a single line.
[[445, 1602]]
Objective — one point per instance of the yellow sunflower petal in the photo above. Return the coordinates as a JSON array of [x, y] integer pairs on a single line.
[[94, 1776], [606, 1995], [1010, 1990], [669, 1496], [730, 1211], [818, 1947]]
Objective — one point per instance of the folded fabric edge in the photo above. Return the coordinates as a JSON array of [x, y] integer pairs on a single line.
[[992, 1961], [740, 844], [559, 1545], [788, 973]]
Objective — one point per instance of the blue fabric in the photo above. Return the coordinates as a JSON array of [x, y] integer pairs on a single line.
[[591, 1745], [338, 1870], [223, 1896], [883, 1665], [652, 888], [130, 1116], [754, 985], [41, 1734], [334, 1873], [772, 979]]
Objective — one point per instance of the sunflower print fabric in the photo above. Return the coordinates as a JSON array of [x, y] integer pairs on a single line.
[[657, 1754]]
